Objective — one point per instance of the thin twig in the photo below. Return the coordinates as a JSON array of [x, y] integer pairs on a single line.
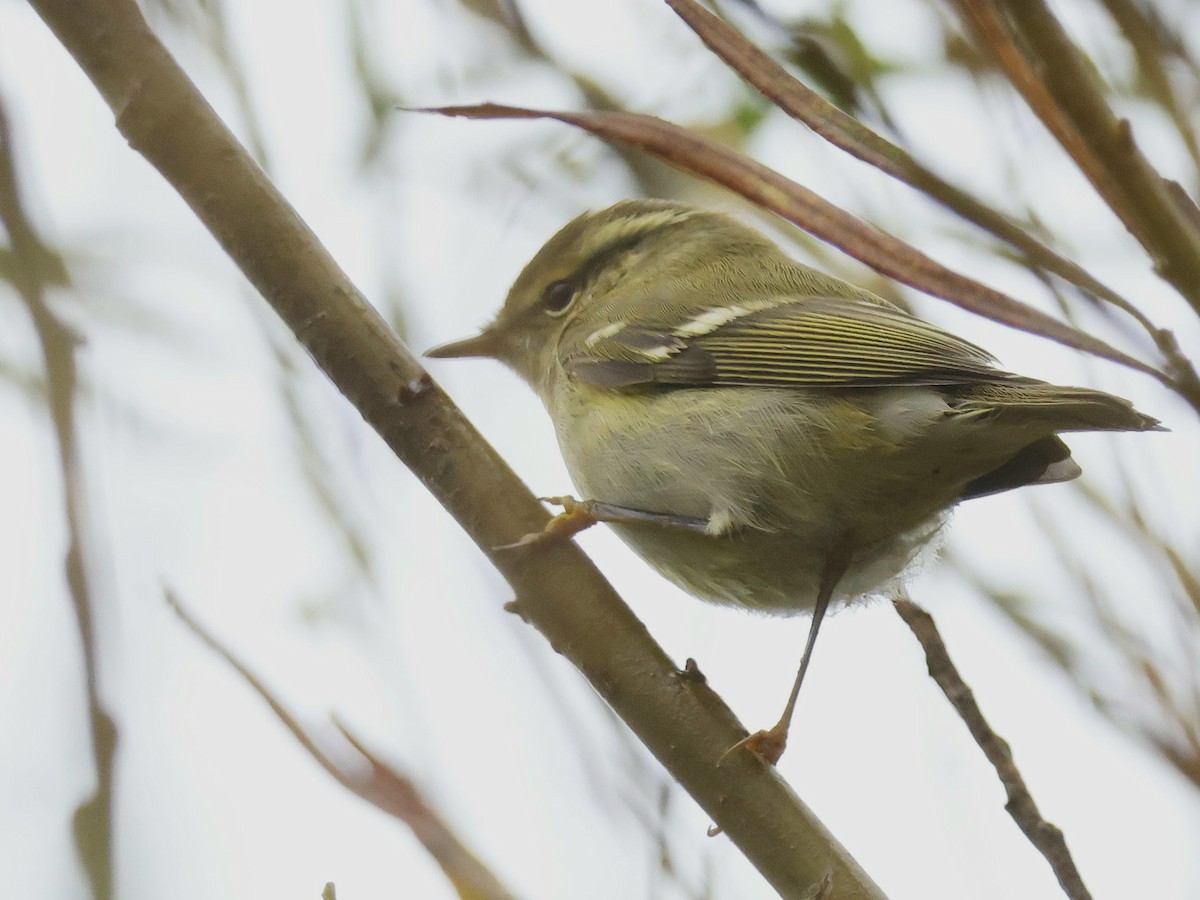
[[35, 267], [989, 31], [852, 136], [1171, 729], [1148, 36], [1047, 838], [1062, 88], [382, 786], [847, 133]]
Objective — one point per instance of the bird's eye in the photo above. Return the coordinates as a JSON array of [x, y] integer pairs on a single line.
[[558, 296]]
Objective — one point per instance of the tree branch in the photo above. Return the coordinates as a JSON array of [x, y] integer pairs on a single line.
[[1046, 838], [1062, 88], [850, 135], [382, 786], [34, 268]]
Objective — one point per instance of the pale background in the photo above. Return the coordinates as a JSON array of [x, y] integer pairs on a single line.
[[378, 609]]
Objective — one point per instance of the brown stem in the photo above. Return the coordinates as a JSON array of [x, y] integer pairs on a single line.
[[1047, 838], [1150, 39], [842, 130], [380, 785], [35, 266], [1062, 88], [847, 133]]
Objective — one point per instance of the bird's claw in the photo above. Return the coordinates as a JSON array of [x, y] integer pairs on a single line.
[[766, 745], [577, 515]]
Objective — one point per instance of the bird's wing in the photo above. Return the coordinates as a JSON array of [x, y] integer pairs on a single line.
[[783, 342]]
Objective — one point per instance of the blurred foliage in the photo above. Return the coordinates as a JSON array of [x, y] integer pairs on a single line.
[[828, 53]]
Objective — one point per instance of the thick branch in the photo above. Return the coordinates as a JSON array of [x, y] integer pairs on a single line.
[[683, 723]]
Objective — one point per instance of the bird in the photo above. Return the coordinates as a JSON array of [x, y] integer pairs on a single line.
[[763, 434]]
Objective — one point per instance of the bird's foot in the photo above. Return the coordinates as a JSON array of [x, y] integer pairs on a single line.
[[766, 745], [576, 516]]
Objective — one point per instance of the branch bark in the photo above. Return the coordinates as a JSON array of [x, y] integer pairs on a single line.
[[680, 719]]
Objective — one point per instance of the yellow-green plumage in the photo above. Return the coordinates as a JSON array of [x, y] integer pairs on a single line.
[[693, 370], [765, 435]]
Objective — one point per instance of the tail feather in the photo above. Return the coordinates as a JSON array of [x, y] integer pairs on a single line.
[[1059, 408], [1045, 461]]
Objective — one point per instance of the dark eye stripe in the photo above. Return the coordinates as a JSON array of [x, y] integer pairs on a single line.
[[614, 250], [558, 295]]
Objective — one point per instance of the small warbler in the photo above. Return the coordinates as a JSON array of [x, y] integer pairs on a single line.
[[762, 434]]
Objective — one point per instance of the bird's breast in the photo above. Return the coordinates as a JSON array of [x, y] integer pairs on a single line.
[[778, 475]]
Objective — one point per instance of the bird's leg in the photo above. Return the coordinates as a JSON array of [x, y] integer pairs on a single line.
[[578, 515], [769, 745]]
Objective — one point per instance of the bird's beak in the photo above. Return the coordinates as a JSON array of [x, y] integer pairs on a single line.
[[486, 343]]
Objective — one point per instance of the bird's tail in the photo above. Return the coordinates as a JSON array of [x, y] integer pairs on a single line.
[[1058, 408]]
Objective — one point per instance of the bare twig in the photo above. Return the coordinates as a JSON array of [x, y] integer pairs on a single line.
[[988, 29], [34, 265], [1151, 41], [847, 133], [683, 723], [1060, 86], [382, 786], [1047, 838], [286, 355], [1171, 725]]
